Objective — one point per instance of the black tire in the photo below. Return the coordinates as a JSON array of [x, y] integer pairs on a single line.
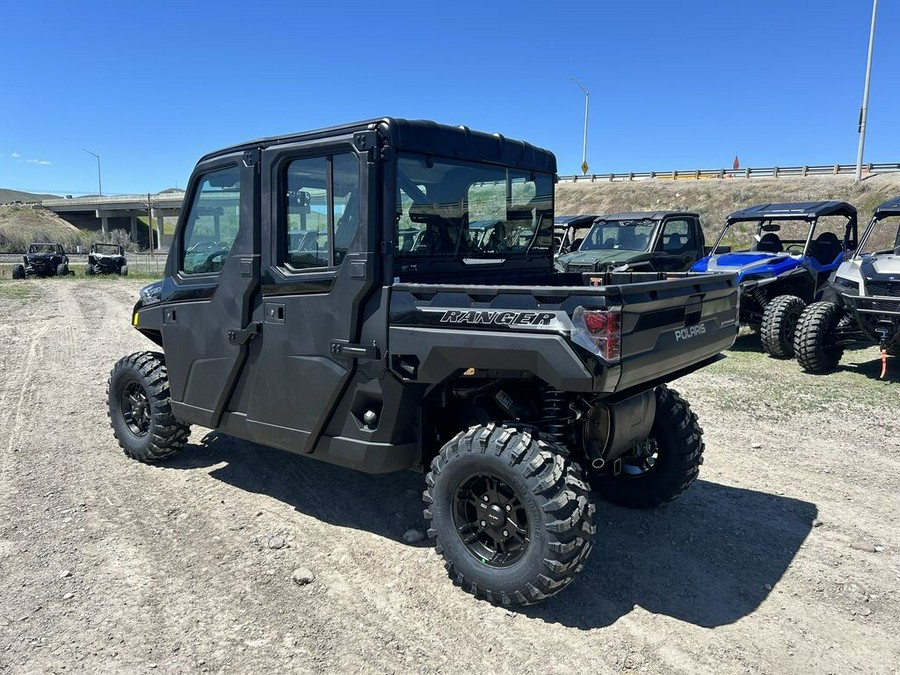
[[123, 271], [62, 270], [779, 321], [88, 270], [814, 339], [668, 463], [140, 412], [18, 272], [537, 525]]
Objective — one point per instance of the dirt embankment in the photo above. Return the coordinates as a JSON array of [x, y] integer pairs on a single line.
[[714, 199], [783, 558]]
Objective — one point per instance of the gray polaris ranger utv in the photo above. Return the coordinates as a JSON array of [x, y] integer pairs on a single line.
[[344, 309], [862, 302]]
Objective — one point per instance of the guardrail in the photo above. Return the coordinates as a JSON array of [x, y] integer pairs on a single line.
[[749, 172]]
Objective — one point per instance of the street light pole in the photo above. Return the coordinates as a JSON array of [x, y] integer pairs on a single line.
[[864, 111], [587, 99], [99, 184]]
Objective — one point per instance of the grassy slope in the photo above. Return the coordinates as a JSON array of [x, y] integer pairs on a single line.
[[715, 199], [20, 225]]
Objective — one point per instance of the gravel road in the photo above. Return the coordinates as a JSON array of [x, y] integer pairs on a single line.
[[234, 558]]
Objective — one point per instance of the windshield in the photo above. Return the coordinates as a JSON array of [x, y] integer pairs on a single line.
[[107, 249], [882, 236], [42, 248], [449, 208], [767, 236], [628, 235]]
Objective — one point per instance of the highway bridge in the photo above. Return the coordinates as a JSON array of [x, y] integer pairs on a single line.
[[121, 212]]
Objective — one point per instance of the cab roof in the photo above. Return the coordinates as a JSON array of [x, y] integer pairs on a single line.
[[646, 215], [889, 208], [422, 136], [794, 211]]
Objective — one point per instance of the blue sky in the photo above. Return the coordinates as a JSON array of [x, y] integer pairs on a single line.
[[674, 85]]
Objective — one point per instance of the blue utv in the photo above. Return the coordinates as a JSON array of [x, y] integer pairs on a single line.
[[787, 265]]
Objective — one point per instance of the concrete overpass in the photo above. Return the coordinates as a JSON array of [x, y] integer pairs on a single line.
[[121, 212]]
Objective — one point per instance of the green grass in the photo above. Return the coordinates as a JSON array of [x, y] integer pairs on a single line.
[[776, 389], [17, 290]]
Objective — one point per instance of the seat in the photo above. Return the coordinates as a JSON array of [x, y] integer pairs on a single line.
[[826, 248], [770, 243], [674, 244]]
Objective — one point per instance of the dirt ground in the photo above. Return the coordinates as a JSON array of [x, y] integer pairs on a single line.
[[783, 558]]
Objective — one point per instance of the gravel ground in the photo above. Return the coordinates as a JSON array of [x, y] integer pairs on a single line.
[[234, 558]]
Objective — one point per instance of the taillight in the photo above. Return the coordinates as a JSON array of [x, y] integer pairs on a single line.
[[599, 331]]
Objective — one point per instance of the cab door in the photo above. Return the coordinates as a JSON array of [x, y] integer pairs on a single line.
[[213, 275], [317, 273], [676, 246]]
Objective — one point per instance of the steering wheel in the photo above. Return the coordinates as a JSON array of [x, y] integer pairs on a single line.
[[799, 247]]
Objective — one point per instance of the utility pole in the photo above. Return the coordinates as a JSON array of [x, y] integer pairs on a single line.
[[587, 99], [864, 111], [149, 225]]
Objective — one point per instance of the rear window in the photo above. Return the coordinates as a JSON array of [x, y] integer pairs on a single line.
[[448, 208]]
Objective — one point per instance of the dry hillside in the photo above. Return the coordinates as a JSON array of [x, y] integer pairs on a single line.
[[714, 199], [20, 225]]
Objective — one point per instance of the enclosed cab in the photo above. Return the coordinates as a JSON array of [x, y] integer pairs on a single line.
[[642, 241], [381, 295], [783, 255]]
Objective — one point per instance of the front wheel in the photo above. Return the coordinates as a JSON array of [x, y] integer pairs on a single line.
[[140, 412], [123, 271], [779, 321], [18, 272], [663, 466], [62, 270], [814, 339], [88, 270], [510, 514]]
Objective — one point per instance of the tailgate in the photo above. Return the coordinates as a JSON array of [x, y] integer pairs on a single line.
[[670, 325]]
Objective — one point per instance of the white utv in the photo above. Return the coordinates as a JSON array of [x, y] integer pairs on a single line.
[[862, 303]]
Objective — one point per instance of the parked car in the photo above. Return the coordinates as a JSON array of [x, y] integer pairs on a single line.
[[780, 276]]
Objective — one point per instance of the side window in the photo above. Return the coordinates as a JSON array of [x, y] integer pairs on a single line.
[[676, 236], [321, 210], [212, 222]]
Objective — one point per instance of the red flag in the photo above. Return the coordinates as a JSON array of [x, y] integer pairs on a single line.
[[736, 165]]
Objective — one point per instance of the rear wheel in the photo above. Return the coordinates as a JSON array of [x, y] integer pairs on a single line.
[[123, 271], [660, 468], [88, 270], [779, 321], [18, 272], [140, 412], [511, 515], [814, 339], [62, 270]]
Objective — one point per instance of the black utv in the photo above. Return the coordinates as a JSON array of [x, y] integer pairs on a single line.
[[42, 260], [346, 309], [862, 302], [106, 259]]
